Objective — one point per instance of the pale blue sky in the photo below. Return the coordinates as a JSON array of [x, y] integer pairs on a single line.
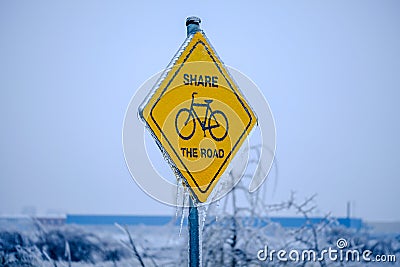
[[330, 71]]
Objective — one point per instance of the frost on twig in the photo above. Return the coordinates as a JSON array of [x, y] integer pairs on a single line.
[[131, 244]]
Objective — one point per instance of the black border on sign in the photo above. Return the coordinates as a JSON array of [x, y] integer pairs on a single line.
[[237, 96]]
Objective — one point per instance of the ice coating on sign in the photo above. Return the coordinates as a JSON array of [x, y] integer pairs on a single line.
[[198, 116]]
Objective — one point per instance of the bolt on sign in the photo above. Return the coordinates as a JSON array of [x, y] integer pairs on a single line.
[[197, 115]]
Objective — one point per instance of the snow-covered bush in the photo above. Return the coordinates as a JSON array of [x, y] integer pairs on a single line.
[[58, 244], [17, 250]]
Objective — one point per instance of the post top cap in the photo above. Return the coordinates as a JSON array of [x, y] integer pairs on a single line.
[[193, 20]]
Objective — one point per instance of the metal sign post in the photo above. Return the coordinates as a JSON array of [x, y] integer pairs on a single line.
[[193, 25], [194, 236]]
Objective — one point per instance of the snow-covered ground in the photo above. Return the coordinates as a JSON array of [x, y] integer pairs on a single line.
[[226, 242]]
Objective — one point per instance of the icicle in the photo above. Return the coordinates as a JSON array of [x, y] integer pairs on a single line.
[[202, 215], [217, 205], [184, 204], [181, 224], [179, 195]]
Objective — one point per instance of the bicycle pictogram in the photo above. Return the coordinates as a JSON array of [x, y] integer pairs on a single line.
[[215, 121]]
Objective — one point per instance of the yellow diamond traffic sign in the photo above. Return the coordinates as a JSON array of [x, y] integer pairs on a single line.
[[197, 115]]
